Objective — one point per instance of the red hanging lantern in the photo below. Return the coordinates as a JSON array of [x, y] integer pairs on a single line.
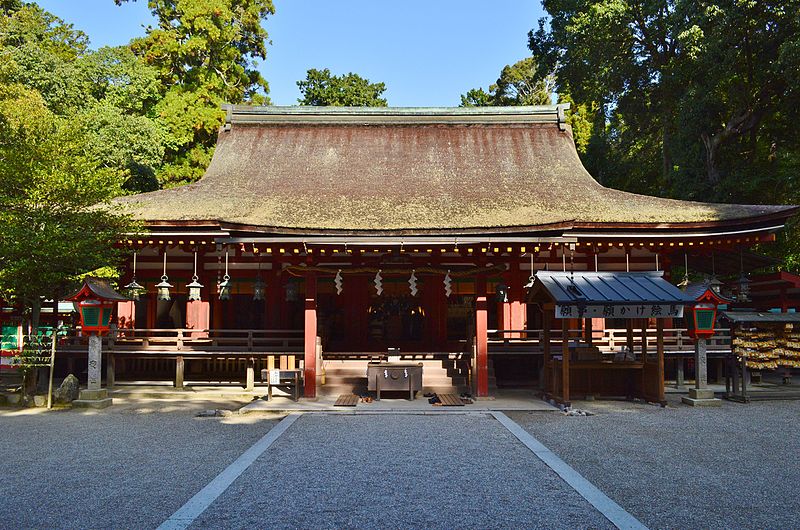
[[95, 301]]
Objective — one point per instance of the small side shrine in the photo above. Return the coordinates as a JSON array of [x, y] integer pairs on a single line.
[[634, 369]]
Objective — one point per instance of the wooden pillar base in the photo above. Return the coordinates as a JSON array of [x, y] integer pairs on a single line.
[[179, 369], [251, 375]]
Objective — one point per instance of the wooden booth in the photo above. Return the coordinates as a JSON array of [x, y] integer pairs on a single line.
[[579, 366]]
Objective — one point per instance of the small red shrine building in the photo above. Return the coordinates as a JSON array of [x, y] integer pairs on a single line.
[[364, 229]]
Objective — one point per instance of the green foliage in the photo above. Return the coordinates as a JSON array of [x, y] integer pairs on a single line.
[[208, 43], [46, 50], [522, 83], [204, 53], [692, 100], [53, 199], [120, 79], [320, 88], [130, 144]]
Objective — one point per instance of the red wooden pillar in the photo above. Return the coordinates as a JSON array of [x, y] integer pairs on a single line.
[[198, 316], [310, 365], [598, 327], [516, 300], [126, 315], [481, 339]]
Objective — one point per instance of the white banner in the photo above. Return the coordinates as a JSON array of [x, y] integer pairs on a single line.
[[620, 311]]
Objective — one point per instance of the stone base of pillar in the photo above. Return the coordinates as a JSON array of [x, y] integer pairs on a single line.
[[701, 397], [93, 399]]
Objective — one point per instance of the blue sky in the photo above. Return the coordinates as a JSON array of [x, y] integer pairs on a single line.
[[428, 52]]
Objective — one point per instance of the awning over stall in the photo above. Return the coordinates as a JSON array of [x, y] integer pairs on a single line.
[[609, 294]]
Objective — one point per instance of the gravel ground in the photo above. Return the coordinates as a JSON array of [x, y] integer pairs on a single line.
[[399, 471], [129, 466], [683, 467]]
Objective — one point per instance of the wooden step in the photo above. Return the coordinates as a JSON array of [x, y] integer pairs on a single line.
[[450, 400], [346, 400]]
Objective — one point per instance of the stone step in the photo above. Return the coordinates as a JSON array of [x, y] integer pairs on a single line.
[[337, 390], [335, 379]]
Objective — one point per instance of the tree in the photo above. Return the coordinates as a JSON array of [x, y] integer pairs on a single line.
[[624, 57], [709, 89], [745, 73], [645, 64], [521, 83], [321, 88], [110, 94], [57, 222], [205, 53], [524, 83], [46, 50]]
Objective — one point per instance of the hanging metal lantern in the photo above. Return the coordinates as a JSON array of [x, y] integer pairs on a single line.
[[292, 290], [194, 290], [225, 284], [744, 282], [715, 285], [133, 289], [164, 286], [259, 289], [195, 286], [225, 288], [744, 288], [501, 292]]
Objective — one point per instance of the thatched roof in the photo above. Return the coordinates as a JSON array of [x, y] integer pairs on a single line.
[[348, 170]]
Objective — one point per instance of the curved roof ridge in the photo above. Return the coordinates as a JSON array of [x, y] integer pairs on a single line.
[[306, 114]]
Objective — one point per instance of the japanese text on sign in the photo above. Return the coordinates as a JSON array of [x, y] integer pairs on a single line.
[[620, 311]]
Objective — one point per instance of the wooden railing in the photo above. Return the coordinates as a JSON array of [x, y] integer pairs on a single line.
[[608, 340], [188, 340]]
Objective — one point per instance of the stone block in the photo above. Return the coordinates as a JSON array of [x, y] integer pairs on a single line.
[[88, 395], [694, 402], [92, 403], [701, 393], [39, 401]]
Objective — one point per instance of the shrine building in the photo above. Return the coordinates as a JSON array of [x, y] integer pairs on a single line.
[[320, 238]]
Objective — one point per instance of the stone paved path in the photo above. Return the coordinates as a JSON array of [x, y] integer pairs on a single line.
[[399, 471]]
